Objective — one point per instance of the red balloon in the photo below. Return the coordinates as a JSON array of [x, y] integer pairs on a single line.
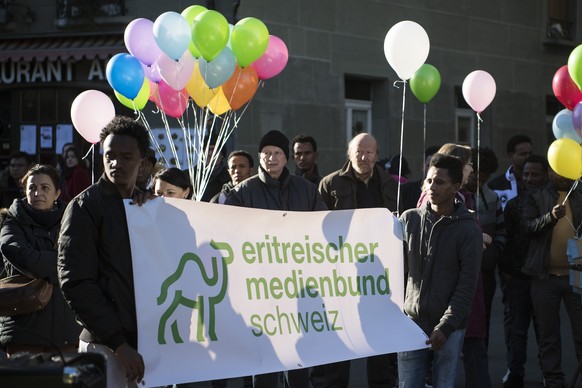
[[565, 89], [171, 102], [241, 86]]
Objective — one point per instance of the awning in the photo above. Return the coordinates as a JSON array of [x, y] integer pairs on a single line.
[[61, 47]]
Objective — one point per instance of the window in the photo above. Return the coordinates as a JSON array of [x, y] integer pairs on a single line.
[[358, 95], [465, 121], [561, 20]]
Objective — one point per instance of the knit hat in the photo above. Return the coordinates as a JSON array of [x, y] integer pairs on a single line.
[[277, 139]]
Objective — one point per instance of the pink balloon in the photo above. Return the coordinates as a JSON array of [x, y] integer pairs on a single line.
[[171, 102], [273, 60], [176, 73], [140, 42], [91, 111], [479, 90]]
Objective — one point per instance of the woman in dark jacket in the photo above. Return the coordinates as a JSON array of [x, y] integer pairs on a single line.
[[28, 244]]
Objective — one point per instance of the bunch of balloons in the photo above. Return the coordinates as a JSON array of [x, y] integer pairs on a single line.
[[190, 59], [565, 153]]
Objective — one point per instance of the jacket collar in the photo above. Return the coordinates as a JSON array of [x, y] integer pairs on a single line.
[[281, 182]]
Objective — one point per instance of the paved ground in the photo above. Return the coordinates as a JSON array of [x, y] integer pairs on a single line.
[[497, 356]]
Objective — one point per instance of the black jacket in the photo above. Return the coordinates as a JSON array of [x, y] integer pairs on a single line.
[[95, 266], [28, 242]]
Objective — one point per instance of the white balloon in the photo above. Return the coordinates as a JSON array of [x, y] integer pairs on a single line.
[[406, 47]]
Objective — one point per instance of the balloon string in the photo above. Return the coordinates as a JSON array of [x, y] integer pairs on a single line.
[[570, 192], [478, 196], [424, 144], [401, 142], [92, 148]]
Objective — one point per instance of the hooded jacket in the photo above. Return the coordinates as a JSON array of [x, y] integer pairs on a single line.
[[289, 192], [95, 266], [442, 260], [28, 242]]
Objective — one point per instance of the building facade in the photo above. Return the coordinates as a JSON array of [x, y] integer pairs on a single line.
[[337, 81]]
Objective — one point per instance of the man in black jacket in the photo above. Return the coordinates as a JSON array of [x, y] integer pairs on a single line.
[[95, 263]]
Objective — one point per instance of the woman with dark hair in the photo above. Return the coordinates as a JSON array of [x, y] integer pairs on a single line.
[[29, 246], [173, 183], [75, 175]]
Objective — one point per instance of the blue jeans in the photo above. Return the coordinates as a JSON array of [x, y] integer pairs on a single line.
[[413, 366]]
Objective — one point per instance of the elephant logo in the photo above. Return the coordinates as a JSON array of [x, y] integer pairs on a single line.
[[218, 280]]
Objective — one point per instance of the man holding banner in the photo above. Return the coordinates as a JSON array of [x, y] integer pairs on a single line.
[[275, 188], [442, 261]]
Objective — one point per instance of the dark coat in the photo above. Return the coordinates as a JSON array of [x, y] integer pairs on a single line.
[[289, 192], [30, 248], [95, 266], [338, 189]]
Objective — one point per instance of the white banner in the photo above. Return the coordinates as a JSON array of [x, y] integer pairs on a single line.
[[223, 291]]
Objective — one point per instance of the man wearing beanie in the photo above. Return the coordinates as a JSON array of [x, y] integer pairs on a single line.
[[274, 188]]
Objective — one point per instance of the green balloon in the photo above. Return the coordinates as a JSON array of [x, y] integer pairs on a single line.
[[210, 33], [249, 40], [425, 83], [575, 66], [140, 101], [190, 14]]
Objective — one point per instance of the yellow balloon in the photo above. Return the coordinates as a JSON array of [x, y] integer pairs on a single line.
[[565, 158], [219, 104], [198, 90], [140, 101]]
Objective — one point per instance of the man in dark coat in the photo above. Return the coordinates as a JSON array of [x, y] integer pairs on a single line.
[[95, 263]]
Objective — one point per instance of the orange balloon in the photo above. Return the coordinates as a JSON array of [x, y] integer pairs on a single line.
[[241, 86], [219, 104], [198, 90]]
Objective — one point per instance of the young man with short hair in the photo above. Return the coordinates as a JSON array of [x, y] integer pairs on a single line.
[[442, 260], [240, 167], [305, 155], [95, 264]]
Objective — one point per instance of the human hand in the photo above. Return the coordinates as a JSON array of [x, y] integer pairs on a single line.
[[558, 212], [140, 197], [436, 340], [487, 239], [132, 362]]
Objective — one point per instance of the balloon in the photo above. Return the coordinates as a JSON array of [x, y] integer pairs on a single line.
[[153, 97], [125, 75], [577, 118], [140, 42], [176, 73], [152, 72], [249, 40], [575, 66], [210, 33], [218, 70], [190, 14], [273, 60], [565, 158], [241, 87], [565, 89], [171, 102], [479, 90], [406, 47], [198, 90], [91, 111], [425, 83], [140, 101], [563, 126], [172, 33], [219, 104]]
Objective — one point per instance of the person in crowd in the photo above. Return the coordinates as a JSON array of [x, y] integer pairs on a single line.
[[28, 242], [10, 178], [75, 176], [219, 175], [507, 185], [95, 263], [61, 164], [145, 176], [442, 273], [240, 167], [360, 183], [392, 165], [518, 284], [551, 217], [305, 155], [490, 217], [275, 188], [173, 183], [410, 191]]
